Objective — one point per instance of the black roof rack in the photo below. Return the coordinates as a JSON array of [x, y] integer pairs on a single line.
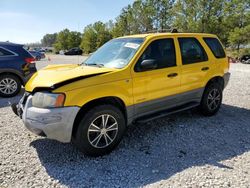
[[174, 30]]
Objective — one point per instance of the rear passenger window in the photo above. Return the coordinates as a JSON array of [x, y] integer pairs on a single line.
[[4, 52], [191, 51], [162, 50], [215, 47]]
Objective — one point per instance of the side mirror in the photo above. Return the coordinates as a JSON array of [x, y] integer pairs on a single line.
[[148, 64]]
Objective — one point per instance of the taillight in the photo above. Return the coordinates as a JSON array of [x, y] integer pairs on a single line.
[[29, 59]]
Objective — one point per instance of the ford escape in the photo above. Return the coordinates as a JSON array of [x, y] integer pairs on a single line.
[[129, 79]]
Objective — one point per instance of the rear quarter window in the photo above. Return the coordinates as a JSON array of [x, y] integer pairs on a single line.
[[4, 52], [215, 46]]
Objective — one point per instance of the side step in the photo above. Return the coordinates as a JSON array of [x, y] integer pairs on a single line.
[[164, 113]]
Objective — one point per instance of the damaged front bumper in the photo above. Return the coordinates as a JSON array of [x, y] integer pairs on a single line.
[[54, 123]]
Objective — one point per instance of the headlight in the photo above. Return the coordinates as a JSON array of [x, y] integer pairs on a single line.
[[48, 100]]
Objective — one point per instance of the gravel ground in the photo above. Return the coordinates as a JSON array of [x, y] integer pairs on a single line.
[[181, 150]]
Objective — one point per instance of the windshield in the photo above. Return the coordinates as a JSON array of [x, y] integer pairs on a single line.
[[116, 53]]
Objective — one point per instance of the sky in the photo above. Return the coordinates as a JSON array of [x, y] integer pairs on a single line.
[[27, 21]]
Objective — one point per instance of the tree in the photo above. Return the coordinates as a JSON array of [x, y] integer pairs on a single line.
[[236, 14], [49, 40], [239, 36], [162, 13], [74, 39], [94, 36], [122, 25], [67, 39], [228, 19], [198, 15]]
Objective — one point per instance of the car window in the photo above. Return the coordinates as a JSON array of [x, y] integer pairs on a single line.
[[191, 51], [162, 51], [215, 47], [4, 52], [116, 53]]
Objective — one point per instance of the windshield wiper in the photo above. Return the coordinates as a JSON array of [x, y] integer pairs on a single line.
[[95, 64]]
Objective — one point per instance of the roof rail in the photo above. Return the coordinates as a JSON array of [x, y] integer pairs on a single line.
[[173, 30]]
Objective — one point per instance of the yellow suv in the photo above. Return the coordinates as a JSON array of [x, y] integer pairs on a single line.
[[129, 79]]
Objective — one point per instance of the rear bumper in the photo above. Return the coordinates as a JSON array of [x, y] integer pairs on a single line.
[[226, 78], [54, 123]]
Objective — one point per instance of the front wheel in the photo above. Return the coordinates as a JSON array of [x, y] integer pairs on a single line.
[[100, 130], [211, 100]]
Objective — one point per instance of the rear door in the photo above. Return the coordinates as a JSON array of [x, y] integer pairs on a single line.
[[195, 68]]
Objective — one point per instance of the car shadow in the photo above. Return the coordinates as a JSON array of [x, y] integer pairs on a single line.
[[4, 102], [153, 151]]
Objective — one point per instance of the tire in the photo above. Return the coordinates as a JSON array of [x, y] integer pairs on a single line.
[[10, 85], [92, 140], [211, 99]]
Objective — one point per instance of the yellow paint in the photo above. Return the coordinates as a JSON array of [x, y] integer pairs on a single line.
[[130, 86]]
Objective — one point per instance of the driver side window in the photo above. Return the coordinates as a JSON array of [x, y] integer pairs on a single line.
[[161, 51]]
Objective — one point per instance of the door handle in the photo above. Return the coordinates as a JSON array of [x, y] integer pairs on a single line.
[[205, 68], [171, 75]]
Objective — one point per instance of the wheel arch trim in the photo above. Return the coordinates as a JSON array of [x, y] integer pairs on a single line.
[[113, 100], [13, 72]]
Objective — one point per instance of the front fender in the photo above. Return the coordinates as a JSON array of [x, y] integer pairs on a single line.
[[121, 89]]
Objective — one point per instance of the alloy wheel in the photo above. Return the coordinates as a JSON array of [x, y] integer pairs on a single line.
[[102, 131], [213, 100], [8, 86]]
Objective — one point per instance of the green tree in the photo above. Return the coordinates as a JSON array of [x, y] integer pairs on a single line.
[[122, 25], [62, 40], [67, 39], [198, 15], [228, 19], [239, 36], [94, 36], [162, 13], [49, 40], [74, 39], [236, 14]]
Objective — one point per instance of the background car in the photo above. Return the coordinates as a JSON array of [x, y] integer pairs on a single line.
[[16, 67], [245, 59], [74, 51], [37, 55]]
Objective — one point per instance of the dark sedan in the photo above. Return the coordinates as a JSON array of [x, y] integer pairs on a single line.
[[245, 59], [16, 67], [74, 51], [38, 55]]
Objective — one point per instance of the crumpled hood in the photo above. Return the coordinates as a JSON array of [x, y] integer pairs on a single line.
[[54, 76]]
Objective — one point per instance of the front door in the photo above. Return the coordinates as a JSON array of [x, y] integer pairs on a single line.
[[155, 88]]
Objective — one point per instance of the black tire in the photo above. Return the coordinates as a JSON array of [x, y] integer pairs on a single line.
[[14, 81], [84, 135], [207, 107]]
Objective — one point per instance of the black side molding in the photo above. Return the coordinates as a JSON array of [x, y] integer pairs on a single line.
[[167, 112]]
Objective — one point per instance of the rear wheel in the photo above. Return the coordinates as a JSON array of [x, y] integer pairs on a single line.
[[211, 100], [10, 85], [100, 130]]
